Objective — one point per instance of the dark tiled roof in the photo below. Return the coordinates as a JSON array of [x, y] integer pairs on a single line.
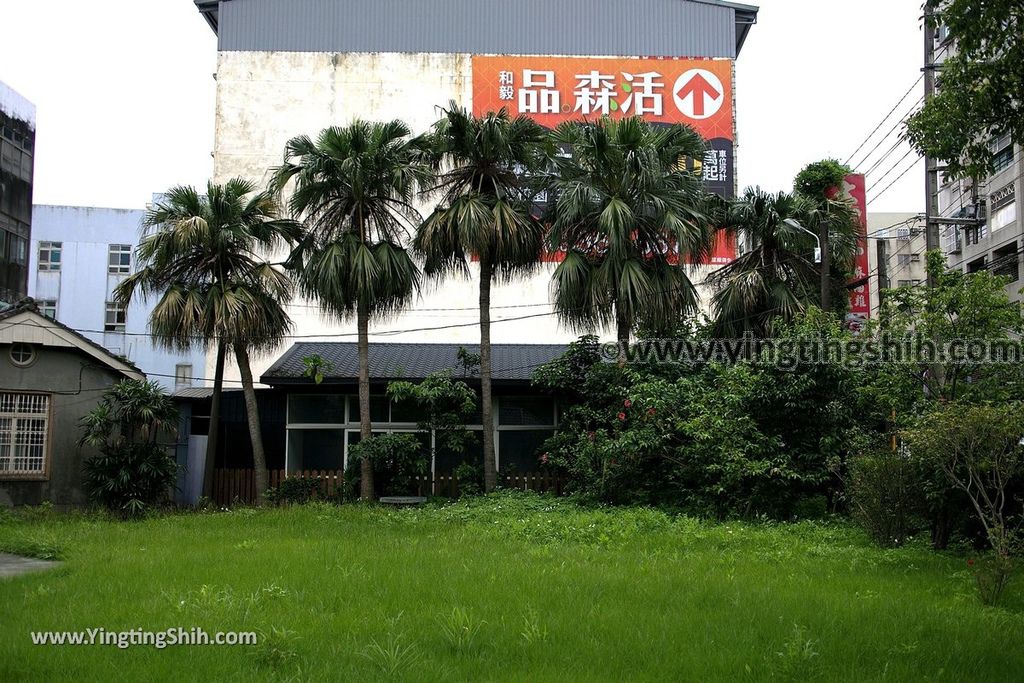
[[515, 362]]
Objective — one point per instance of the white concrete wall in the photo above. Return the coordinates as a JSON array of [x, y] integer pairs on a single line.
[[883, 226], [266, 98], [83, 284]]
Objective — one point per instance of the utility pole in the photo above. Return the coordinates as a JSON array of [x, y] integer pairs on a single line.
[[826, 268], [931, 226]]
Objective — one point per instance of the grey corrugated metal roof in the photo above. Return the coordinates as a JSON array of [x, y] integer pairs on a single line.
[[663, 28], [200, 392], [408, 361]]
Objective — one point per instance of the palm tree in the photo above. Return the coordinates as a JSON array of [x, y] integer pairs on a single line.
[[484, 214], [777, 277], [203, 257], [627, 215], [354, 188]]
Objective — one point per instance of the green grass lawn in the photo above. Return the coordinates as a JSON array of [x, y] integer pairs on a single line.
[[507, 588]]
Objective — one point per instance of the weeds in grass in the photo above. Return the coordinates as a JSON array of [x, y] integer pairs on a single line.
[[392, 657], [460, 629], [798, 659], [276, 648], [533, 630], [39, 544]]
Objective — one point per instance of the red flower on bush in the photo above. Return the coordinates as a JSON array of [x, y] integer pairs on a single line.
[[622, 417], [627, 403], [613, 461], [590, 435], [651, 412], [970, 563], [544, 459]]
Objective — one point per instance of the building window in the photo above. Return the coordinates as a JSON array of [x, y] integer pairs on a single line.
[[182, 375], [120, 262], [974, 235], [22, 355], [976, 265], [23, 422], [116, 317], [1004, 216], [48, 307], [49, 255], [1004, 262], [1002, 159], [903, 259], [18, 250], [915, 258], [904, 283]]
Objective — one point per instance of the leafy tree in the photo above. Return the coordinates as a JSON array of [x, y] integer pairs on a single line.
[[446, 406], [777, 277], [354, 189], [819, 179], [960, 312], [484, 214], [627, 215], [134, 470], [960, 309], [980, 450], [203, 256], [981, 93], [398, 459]]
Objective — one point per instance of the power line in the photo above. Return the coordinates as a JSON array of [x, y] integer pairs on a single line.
[[913, 110], [882, 122], [897, 179]]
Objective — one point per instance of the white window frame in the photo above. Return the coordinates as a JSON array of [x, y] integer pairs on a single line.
[[112, 307], [183, 375], [16, 357], [1003, 216], [48, 265], [18, 413], [48, 305], [119, 268]]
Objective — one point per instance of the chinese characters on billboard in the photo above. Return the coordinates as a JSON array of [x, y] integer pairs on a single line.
[[860, 284], [552, 90]]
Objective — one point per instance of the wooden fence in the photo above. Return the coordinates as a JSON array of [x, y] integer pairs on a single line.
[[239, 486]]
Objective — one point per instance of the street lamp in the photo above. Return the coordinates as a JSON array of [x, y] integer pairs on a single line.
[[795, 224]]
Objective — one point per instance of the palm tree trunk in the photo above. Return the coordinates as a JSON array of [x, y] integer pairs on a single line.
[[490, 470], [623, 329], [365, 428], [213, 431], [252, 412]]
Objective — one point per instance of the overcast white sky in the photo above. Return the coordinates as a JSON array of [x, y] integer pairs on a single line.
[[125, 94]]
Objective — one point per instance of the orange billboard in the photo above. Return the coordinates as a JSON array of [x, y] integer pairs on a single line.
[[553, 90]]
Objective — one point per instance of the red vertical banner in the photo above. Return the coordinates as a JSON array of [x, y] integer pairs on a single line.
[[860, 283]]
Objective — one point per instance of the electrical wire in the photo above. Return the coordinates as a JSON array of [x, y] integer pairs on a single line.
[[882, 122]]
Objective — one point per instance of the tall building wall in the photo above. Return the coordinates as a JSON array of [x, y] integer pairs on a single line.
[[78, 256], [17, 153], [995, 240], [896, 253], [281, 73]]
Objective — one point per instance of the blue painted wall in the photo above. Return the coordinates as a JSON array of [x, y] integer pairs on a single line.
[[83, 284]]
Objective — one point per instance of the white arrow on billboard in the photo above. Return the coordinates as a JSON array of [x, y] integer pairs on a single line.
[[699, 94]]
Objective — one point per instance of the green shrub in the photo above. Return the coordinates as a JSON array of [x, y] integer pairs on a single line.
[[294, 490], [398, 459], [133, 470], [884, 492]]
